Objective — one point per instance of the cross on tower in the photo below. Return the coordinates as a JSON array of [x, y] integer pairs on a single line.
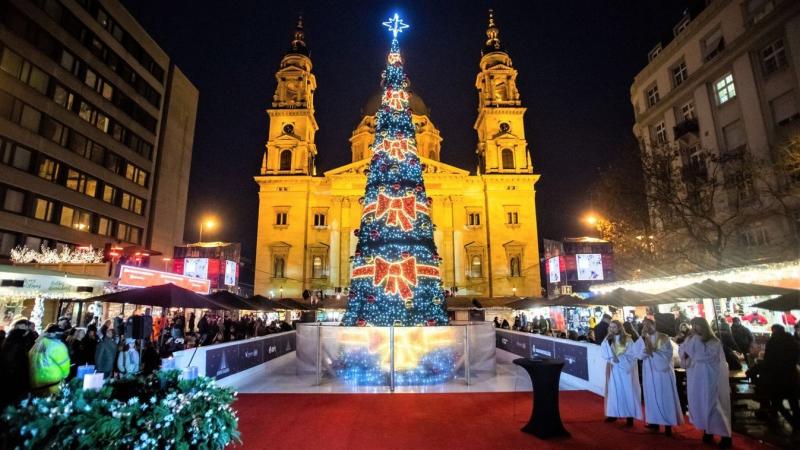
[[395, 25]]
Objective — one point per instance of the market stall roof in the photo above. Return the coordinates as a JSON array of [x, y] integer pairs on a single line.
[[530, 303], [786, 302], [479, 302], [622, 297], [570, 301], [283, 303], [236, 302], [164, 295], [722, 289]]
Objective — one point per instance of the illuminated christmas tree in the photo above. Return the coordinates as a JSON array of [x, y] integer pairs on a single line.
[[395, 277]]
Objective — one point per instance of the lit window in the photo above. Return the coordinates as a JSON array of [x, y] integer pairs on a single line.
[[724, 88], [680, 73], [476, 267], [48, 169], [652, 95], [316, 267], [104, 226], [43, 210], [773, 57]]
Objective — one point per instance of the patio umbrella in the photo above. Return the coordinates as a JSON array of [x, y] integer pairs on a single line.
[[785, 302], [622, 297], [164, 295]]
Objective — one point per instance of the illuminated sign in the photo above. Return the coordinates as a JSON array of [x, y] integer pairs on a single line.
[[554, 270], [590, 266], [230, 273], [196, 267], [130, 276]]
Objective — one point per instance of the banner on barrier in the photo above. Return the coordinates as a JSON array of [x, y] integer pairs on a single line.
[[575, 356], [226, 361]]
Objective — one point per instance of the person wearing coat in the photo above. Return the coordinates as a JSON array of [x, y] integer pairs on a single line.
[[780, 374], [49, 362], [128, 359], [14, 368], [707, 386], [105, 355], [623, 393], [661, 403]]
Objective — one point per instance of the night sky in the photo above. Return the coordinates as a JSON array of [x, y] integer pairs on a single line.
[[576, 61]]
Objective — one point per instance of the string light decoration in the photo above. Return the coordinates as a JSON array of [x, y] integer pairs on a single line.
[[395, 276]]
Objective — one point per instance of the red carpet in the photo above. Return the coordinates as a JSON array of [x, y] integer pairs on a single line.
[[438, 421]]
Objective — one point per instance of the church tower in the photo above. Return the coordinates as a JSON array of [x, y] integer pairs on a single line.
[[502, 147], [290, 148]]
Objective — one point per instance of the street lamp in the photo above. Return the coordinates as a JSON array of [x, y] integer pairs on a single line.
[[208, 224]]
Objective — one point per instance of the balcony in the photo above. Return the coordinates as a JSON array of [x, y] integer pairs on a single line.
[[686, 129]]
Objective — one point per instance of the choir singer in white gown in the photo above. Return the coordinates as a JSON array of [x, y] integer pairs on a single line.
[[661, 403], [623, 393], [707, 383]]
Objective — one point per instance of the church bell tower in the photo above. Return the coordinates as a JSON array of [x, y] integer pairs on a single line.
[[290, 148], [502, 148]]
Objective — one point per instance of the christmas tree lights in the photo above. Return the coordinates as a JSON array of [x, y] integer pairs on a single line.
[[395, 276]]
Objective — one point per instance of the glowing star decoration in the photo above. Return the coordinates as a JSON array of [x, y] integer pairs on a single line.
[[397, 277], [395, 25], [399, 211]]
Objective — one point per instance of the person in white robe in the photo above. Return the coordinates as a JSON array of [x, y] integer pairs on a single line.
[[707, 383], [661, 403], [623, 393]]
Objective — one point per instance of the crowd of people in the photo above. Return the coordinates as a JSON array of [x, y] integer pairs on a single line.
[[33, 363], [642, 359]]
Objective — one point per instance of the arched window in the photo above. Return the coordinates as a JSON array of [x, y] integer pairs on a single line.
[[279, 267], [286, 160], [515, 270], [316, 267], [508, 158], [476, 267]]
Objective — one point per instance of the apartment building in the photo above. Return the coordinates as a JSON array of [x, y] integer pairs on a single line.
[[96, 129], [723, 87]]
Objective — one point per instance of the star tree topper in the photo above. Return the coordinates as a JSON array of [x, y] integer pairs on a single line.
[[395, 25]]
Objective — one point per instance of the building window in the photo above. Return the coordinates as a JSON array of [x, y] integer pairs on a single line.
[[474, 219], [476, 267], [135, 174], [514, 266], [512, 218], [76, 218], [508, 158], [279, 266], [654, 52], [681, 26], [104, 226], [80, 182], [14, 155], [660, 133], [319, 219], [713, 44], [724, 88], [286, 160], [43, 210], [687, 111], [784, 109], [773, 57], [7, 242], [280, 218], [316, 267], [48, 169], [652, 95], [14, 201], [735, 137], [109, 194], [128, 233], [680, 73]]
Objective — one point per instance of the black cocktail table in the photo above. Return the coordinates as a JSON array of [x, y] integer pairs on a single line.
[[545, 418]]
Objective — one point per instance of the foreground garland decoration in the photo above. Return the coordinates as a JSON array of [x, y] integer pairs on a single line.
[[158, 411]]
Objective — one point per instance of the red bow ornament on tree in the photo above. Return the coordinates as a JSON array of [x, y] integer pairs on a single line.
[[399, 211], [396, 277], [397, 148]]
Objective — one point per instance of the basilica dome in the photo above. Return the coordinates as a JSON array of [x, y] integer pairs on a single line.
[[418, 106]]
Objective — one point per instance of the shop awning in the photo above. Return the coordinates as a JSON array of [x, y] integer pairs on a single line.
[[786, 302], [530, 303], [479, 302], [622, 297], [164, 295], [283, 303], [722, 289]]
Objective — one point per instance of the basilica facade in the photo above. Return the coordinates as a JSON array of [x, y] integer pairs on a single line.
[[485, 222]]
